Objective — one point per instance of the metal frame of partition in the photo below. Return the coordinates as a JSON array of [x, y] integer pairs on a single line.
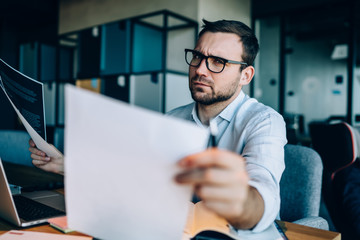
[[164, 28], [189, 23], [71, 41]]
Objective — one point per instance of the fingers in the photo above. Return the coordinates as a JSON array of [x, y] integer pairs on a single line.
[[216, 184], [31, 143], [44, 162], [215, 176], [230, 193], [212, 166], [56, 165], [37, 155], [39, 158], [212, 157], [219, 178], [39, 163]]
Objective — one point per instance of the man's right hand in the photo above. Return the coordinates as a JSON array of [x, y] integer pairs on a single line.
[[40, 160]]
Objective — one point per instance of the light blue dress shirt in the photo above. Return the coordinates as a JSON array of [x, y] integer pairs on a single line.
[[257, 132]]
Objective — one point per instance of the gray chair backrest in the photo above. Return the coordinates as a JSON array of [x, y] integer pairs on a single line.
[[300, 185], [14, 147]]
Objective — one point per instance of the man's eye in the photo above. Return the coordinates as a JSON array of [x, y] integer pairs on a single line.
[[218, 61], [196, 56]]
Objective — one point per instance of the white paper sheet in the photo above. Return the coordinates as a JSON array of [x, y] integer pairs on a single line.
[[120, 166]]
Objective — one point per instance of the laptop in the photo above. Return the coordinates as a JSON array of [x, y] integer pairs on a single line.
[[28, 208]]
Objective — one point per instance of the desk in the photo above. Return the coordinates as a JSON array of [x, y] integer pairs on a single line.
[[293, 231], [298, 232]]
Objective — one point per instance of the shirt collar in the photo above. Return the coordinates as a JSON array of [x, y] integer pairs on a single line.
[[229, 112], [196, 118], [226, 114]]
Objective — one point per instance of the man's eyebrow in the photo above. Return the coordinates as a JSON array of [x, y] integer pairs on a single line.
[[215, 56], [210, 55]]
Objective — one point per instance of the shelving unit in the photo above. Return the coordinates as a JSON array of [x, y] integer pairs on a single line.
[[139, 60]]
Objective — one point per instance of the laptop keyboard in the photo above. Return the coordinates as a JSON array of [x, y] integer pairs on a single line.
[[29, 209]]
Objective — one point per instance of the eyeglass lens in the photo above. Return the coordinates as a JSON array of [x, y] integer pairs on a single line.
[[214, 64]]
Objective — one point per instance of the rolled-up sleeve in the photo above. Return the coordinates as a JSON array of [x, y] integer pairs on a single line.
[[264, 154]]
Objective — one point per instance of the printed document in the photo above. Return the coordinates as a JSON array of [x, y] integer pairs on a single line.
[[26, 95]]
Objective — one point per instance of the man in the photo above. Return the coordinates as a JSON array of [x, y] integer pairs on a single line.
[[239, 179]]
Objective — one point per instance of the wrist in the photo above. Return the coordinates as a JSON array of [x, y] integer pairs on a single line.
[[251, 211]]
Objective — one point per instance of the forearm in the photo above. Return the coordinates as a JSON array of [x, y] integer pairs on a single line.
[[251, 212]]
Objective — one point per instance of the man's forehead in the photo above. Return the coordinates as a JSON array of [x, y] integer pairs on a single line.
[[219, 44]]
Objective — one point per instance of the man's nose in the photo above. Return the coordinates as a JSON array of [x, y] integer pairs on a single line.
[[202, 68]]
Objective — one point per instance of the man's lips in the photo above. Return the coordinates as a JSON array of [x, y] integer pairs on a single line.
[[196, 83]]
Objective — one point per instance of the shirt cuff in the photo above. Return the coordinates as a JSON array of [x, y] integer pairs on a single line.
[[271, 205]]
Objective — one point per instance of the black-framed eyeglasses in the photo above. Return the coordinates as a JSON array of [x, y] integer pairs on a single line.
[[213, 63]]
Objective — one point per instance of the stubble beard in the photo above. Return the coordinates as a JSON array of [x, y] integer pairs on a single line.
[[212, 97]]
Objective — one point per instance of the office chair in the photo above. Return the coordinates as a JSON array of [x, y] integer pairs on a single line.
[[14, 147], [338, 145], [300, 187]]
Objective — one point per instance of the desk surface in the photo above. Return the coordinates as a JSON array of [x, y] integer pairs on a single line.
[[298, 232], [291, 230]]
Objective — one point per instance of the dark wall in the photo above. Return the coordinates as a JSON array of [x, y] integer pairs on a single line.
[[262, 8], [23, 21]]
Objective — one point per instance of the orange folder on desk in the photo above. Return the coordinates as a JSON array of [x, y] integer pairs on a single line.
[[60, 223], [200, 219], [203, 222]]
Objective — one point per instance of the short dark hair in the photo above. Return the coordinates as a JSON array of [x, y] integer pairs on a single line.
[[247, 36]]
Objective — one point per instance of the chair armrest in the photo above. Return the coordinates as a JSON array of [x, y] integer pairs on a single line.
[[315, 222]]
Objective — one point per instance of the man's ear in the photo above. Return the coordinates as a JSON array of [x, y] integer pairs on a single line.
[[247, 75]]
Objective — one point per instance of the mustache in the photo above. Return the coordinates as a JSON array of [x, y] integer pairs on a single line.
[[201, 80]]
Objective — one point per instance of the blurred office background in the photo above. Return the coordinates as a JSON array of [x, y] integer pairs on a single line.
[[308, 68]]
